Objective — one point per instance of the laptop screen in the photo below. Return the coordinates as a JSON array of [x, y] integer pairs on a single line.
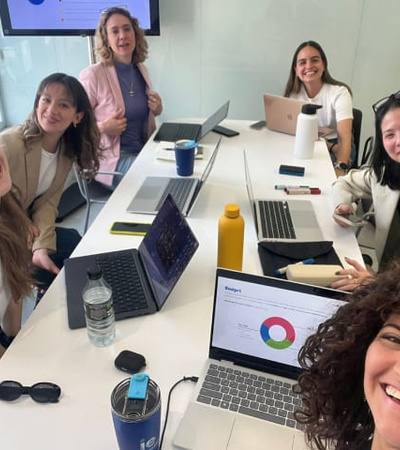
[[167, 249], [262, 322]]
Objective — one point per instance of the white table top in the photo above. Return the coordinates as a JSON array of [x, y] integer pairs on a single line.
[[175, 340]]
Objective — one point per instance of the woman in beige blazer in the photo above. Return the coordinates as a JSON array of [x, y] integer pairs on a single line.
[[60, 131], [380, 183], [120, 92]]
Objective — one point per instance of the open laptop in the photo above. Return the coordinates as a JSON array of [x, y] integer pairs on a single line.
[[244, 398], [282, 220], [281, 113], [174, 131], [141, 279], [184, 191]]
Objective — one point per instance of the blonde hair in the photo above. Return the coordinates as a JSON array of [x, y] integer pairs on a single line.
[[103, 49]]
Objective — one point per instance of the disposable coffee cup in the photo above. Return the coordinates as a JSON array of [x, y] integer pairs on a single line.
[[136, 422], [184, 156]]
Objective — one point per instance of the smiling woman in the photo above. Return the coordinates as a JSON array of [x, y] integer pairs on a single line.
[[61, 130], [351, 381]]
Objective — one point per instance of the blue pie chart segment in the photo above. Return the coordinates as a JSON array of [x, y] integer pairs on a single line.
[[36, 2], [290, 333]]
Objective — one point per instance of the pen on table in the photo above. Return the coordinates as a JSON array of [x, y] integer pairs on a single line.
[[282, 270], [283, 187], [301, 191]]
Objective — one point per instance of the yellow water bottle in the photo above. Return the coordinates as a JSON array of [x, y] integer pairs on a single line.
[[230, 238]]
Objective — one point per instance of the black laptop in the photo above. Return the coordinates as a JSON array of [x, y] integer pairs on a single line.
[[141, 279], [174, 131]]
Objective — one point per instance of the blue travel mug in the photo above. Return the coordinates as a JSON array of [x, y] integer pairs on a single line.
[[184, 156], [136, 421]]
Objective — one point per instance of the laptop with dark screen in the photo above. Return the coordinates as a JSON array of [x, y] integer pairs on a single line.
[[141, 279]]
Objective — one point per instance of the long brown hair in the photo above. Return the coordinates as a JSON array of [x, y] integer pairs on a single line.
[[294, 84], [103, 49], [81, 141], [15, 233]]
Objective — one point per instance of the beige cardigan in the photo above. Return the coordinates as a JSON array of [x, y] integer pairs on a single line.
[[24, 162]]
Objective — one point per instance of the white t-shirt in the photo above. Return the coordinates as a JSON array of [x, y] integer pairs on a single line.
[[48, 168], [336, 101]]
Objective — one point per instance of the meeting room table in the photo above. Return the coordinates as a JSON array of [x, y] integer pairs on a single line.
[[174, 341]]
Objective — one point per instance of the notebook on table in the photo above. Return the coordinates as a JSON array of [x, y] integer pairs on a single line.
[[282, 220], [174, 131], [184, 191], [141, 279], [244, 398]]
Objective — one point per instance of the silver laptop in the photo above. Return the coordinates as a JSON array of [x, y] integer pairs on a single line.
[[244, 398], [282, 220], [281, 113], [184, 191], [173, 131]]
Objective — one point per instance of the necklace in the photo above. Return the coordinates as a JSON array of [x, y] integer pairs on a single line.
[[131, 90]]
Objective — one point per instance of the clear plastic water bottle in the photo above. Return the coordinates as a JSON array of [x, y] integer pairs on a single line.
[[99, 310]]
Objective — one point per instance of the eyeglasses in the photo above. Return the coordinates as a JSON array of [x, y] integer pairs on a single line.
[[378, 105], [40, 392]]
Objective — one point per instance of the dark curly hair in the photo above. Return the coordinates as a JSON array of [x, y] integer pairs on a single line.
[[334, 411], [386, 170], [103, 49], [294, 84]]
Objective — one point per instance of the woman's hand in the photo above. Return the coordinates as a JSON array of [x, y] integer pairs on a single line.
[[41, 259], [342, 210], [155, 103], [115, 125], [352, 278]]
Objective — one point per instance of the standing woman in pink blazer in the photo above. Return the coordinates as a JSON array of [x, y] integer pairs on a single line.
[[120, 92]]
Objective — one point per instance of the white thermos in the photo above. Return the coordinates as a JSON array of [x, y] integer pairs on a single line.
[[306, 131]]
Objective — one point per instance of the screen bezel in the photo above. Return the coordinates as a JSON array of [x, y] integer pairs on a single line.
[[8, 30]]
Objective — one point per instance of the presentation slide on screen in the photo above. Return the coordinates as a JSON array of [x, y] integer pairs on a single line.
[[266, 322], [70, 14]]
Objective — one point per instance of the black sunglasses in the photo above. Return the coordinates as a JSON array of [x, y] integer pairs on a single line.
[[378, 105], [40, 392]]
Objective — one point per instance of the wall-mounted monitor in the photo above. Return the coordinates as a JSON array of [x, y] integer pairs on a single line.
[[70, 17]]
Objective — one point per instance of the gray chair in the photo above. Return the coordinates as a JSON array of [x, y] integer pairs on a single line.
[[93, 191]]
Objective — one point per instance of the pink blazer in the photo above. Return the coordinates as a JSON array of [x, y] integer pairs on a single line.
[[101, 84]]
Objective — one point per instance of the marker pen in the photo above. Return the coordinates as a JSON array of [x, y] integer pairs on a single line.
[[282, 270]]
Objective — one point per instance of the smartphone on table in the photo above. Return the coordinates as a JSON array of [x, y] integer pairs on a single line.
[[350, 219], [132, 228]]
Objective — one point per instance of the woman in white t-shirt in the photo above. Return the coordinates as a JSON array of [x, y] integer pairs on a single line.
[[15, 258], [310, 81]]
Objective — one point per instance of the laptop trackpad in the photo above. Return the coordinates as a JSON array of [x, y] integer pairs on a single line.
[[259, 435]]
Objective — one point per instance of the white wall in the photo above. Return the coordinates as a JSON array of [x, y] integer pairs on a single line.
[[213, 50]]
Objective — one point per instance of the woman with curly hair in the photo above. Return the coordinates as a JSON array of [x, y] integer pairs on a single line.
[[351, 381], [120, 92], [15, 256], [60, 131]]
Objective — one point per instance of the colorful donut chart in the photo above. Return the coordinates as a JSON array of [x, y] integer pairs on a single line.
[[280, 322]]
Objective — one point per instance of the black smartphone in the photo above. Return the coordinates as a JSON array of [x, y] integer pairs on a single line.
[[132, 228], [258, 125], [225, 131], [291, 170]]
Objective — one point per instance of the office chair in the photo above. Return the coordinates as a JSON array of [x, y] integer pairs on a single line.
[[92, 191], [356, 131]]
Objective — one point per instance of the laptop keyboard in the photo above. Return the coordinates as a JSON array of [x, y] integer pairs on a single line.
[[249, 394], [276, 221], [179, 189], [173, 132], [121, 273]]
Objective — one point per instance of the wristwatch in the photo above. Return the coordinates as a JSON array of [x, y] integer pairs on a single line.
[[341, 166]]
